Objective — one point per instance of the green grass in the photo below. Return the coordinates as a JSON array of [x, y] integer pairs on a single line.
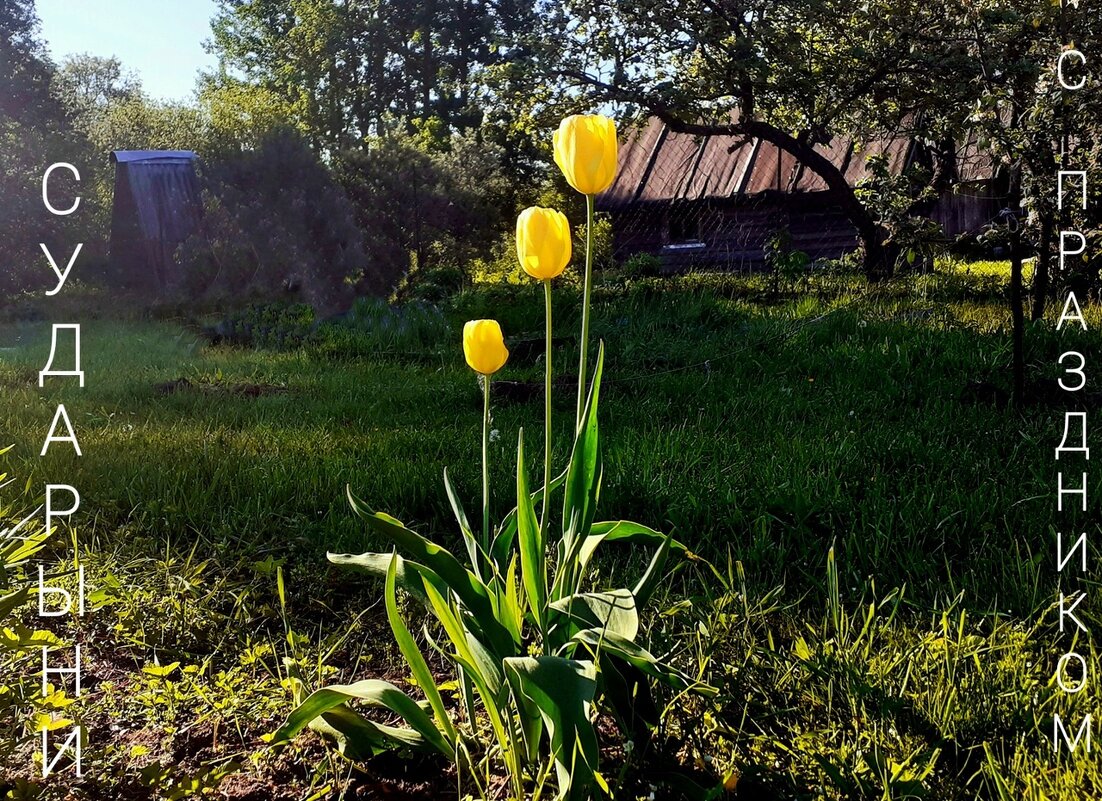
[[758, 427]]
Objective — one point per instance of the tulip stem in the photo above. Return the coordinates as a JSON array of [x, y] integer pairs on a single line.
[[585, 308], [486, 464], [546, 409]]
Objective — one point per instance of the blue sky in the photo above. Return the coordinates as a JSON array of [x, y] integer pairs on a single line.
[[161, 41]]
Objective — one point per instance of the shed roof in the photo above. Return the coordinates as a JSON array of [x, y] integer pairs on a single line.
[[657, 164], [130, 156], [158, 204]]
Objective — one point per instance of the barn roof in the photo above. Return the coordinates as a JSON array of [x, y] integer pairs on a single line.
[[657, 164]]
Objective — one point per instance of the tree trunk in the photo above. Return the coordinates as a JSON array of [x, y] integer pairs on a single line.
[[1017, 315], [1042, 271]]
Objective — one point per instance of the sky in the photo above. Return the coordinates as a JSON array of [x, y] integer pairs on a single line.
[[160, 40]]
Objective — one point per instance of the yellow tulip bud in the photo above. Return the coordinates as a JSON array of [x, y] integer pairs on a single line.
[[585, 150], [484, 346], [543, 242]]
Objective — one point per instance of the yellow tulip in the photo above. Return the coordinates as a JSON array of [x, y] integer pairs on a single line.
[[585, 150], [484, 346], [543, 242]]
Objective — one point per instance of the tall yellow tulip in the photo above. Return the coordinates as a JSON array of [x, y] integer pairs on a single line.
[[543, 242], [585, 150], [543, 247], [484, 348]]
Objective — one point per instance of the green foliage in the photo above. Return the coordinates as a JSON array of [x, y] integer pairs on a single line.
[[786, 263], [110, 109], [374, 328], [342, 76], [277, 227], [894, 198], [428, 206], [876, 700], [509, 602], [34, 128], [501, 266], [242, 115], [641, 265], [274, 326], [22, 538], [139, 123]]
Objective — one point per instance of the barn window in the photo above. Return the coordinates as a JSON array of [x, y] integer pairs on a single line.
[[683, 229]]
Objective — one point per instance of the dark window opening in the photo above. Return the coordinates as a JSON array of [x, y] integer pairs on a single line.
[[683, 230]]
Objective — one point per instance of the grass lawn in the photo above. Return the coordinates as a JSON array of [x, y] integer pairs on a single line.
[[880, 529]]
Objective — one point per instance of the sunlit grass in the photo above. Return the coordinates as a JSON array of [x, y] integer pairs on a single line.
[[758, 425]]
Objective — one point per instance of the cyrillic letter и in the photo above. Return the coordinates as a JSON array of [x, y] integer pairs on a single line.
[[1080, 546], [74, 742]]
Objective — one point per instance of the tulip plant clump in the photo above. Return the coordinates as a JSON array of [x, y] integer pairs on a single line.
[[535, 651]]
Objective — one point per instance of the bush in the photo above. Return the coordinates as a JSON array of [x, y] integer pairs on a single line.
[[426, 208], [275, 326], [372, 327], [502, 267], [430, 285], [641, 265], [277, 227], [786, 264]]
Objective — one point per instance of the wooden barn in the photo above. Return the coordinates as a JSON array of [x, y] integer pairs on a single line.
[[157, 205], [716, 201]]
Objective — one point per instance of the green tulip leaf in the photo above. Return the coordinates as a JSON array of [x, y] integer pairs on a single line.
[[373, 692], [563, 691], [533, 569], [407, 575], [13, 601], [607, 643], [474, 551], [623, 531], [510, 605], [417, 665], [583, 487], [358, 738], [610, 611], [467, 646], [583, 475], [467, 586], [655, 573]]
